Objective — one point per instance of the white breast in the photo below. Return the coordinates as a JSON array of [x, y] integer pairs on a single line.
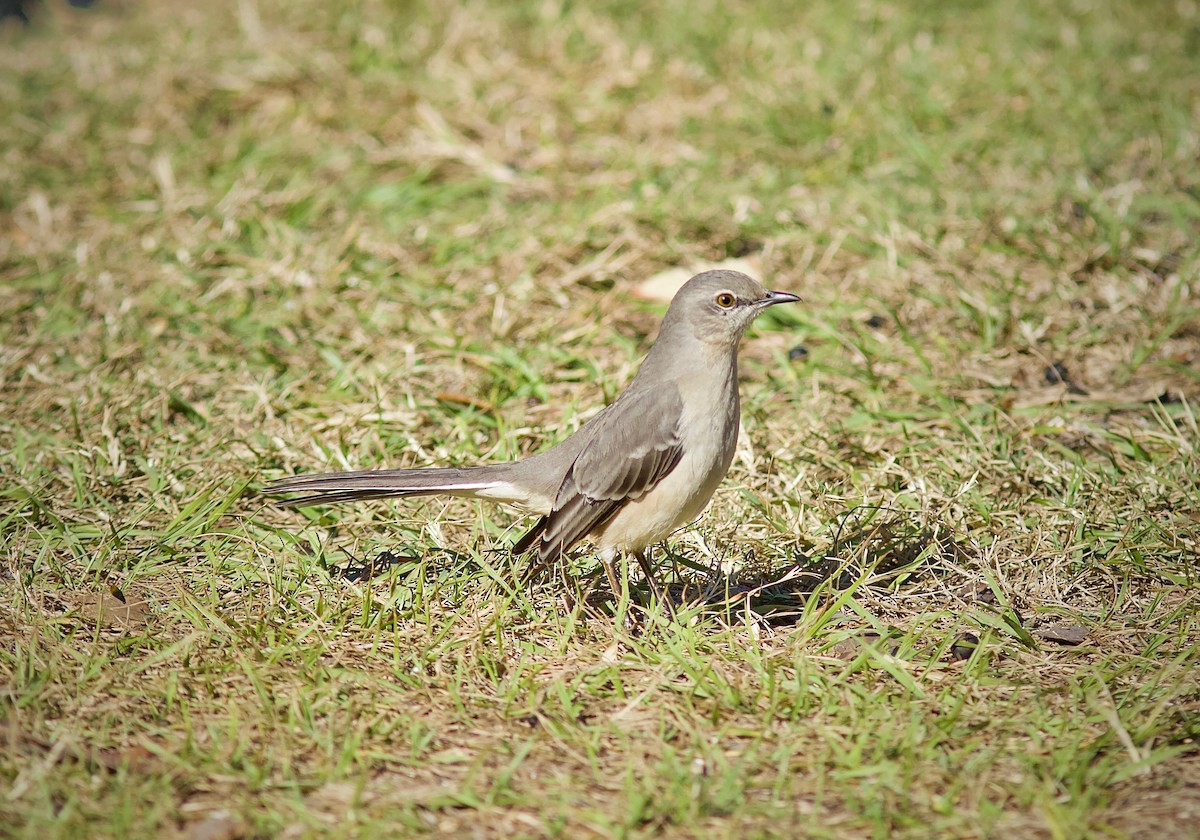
[[709, 441]]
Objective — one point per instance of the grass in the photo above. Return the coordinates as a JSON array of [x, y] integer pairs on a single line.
[[259, 237]]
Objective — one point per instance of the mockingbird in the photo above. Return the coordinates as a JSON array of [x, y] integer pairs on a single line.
[[640, 469]]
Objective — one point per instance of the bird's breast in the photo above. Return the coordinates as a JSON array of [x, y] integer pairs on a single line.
[[709, 429]]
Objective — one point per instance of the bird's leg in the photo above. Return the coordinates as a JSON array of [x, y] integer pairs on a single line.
[[532, 572], [614, 580], [657, 591], [620, 590]]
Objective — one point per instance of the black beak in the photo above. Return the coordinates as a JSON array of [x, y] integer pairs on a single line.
[[773, 298]]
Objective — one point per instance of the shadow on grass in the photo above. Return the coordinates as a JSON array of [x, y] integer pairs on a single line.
[[878, 550], [882, 556]]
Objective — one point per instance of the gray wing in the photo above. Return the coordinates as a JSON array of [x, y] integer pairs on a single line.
[[635, 444]]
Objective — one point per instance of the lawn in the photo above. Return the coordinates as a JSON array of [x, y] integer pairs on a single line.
[[949, 587]]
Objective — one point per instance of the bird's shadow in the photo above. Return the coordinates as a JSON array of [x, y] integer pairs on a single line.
[[881, 555], [886, 555], [364, 569]]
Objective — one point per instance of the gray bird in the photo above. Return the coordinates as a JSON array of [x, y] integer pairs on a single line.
[[636, 472]]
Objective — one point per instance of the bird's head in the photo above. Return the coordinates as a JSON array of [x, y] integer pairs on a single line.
[[716, 307]]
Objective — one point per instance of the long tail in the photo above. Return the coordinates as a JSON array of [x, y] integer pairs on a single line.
[[489, 482]]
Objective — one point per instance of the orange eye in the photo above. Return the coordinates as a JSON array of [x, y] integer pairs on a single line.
[[726, 300]]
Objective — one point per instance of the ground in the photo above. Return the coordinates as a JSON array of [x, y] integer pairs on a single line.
[[949, 587]]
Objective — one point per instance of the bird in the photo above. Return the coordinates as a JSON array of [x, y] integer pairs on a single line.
[[643, 467]]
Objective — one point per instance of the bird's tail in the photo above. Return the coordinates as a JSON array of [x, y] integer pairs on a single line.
[[489, 482]]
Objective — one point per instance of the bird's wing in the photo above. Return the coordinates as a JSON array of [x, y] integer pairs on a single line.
[[635, 444]]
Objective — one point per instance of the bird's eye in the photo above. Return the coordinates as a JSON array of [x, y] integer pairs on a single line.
[[726, 300]]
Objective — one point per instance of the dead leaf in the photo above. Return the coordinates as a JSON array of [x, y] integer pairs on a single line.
[[849, 649], [106, 610], [464, 399], [1067, 635], [664, 285], [219, 825], [137, 758]]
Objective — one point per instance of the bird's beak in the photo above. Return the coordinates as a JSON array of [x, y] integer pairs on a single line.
[[773, 298]]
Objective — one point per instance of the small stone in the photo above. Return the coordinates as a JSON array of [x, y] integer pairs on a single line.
[[1056, 374], [964, 646]]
